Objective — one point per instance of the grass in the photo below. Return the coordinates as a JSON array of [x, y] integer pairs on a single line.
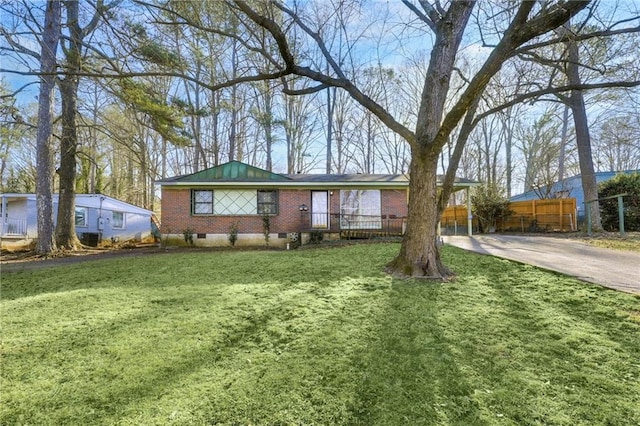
[[318, 337], [629, 242]]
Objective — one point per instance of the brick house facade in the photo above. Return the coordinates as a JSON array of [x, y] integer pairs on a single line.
[[242, 200], [210, 203]]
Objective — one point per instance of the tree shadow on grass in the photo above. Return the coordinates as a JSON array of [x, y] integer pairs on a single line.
[[410, 374]]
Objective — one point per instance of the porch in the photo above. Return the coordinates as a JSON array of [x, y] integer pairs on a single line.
[[353, 226], [13, 228]]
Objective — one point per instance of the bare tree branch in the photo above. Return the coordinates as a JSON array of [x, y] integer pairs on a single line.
[[316, 37], [17, 47], [434, 15], [557, 91], [343, 83], [577, 37], [305, 91], [424, 18]]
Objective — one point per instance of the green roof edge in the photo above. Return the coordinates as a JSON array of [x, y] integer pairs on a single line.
[[232, 171]]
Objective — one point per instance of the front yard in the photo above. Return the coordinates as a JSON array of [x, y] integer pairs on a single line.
[[318, 336]]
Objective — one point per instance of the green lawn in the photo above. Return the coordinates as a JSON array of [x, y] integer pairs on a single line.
[[318, 336], [629, 242]]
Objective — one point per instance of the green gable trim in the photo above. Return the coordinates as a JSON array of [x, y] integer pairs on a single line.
[[232, 171]]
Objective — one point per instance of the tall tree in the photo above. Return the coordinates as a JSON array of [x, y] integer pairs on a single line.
[[583, 138], [419, 255], [48, 64], [73, 51]]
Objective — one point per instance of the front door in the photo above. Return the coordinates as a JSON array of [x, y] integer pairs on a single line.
[[319, 209]]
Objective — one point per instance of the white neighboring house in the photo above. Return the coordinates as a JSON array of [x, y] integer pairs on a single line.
[[98, 218]]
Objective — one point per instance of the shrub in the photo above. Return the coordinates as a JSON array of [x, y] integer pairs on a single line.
[[489, 204], [188, 236], [621, 184], [233, 234], [266, 228]]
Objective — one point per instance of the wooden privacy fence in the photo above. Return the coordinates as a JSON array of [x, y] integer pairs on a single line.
[[557, 214], [454, 220]]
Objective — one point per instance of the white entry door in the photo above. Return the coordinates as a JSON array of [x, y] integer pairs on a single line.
[[319, 209]]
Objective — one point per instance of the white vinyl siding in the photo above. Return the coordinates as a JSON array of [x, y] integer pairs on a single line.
[[117, 220]]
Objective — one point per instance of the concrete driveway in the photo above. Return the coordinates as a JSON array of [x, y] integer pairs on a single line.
[[619, 270]]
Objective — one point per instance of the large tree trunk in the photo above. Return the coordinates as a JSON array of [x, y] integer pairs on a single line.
[[419, 255], [44, 177], [66, 227]]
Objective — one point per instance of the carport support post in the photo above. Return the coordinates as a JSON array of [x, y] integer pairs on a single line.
[[3, 219], [621, 214], [469, 216], [587, 209]]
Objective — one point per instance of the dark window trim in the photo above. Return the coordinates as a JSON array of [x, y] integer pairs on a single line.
[[274, 203], [193, 202]]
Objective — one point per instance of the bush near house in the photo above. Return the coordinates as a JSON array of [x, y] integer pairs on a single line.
[[489, 205], [621, 184]]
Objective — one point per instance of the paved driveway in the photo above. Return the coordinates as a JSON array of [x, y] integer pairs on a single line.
[[615, 269]]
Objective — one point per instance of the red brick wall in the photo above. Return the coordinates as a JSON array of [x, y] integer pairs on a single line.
[[176, 215], [394, 202], [176, 212]]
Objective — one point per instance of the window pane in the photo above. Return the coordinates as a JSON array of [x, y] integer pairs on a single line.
[[267, 202], [235, 202], [81, 216], [202, 202], [203, 196], [266, 196], [117, 220], [267, 209], [360, 209], [203, 208]]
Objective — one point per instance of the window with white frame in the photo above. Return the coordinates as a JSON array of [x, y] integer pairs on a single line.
[[360, 209], [82, 217], [117, 220]]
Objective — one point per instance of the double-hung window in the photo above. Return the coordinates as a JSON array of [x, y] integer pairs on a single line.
[[267, 202], [201, 202]]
